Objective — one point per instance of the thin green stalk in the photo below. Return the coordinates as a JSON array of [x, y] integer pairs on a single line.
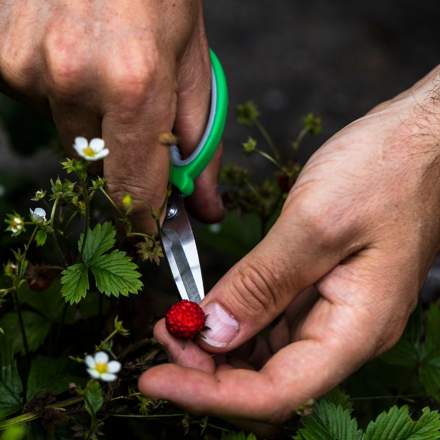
[[87, 217], [302, 134], [70, 219], [23, 337], [112, 202], [267, 137], [269, 158]]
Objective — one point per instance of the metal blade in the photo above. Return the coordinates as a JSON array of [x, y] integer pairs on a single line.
[[181, 250]]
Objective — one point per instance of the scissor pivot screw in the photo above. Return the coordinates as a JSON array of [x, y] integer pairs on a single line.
[[172, 212]]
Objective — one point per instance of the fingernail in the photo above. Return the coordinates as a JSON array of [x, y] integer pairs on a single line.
[[221, 326]]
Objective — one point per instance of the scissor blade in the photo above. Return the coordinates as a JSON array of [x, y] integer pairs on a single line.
[[181, 251]]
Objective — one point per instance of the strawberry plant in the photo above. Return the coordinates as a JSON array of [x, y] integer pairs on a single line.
[[76, 314]]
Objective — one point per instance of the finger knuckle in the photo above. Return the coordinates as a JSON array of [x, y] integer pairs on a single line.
[[132, 79], [256, 289], [66, 62], [322, 222], [16, 66]]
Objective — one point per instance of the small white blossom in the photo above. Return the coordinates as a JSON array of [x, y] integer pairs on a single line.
[[15, 224], [100, 368], [93, 150], [38, 215]]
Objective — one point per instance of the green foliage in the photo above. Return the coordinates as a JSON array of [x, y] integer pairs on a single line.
[[247, 113], [16, 432], [99, 240], [75, 283], [115, 274], [312, 124], [396, 424], [50, 375], [419, 349], [329, 422], [36, 328], [10, 390], [93, 397], [250, 145], [333, 422], [40, 237]]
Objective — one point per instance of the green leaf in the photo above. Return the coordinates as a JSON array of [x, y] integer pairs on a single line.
[[429, 371], [93, 397], [99, 240], [396, 424], [50, 375], [36, 327], [75, 283], [15, 432], [10, 390], [40, 237], [340, 398], [329, 422], [427, 427], [51, 304], [115, 274], [406, 353]]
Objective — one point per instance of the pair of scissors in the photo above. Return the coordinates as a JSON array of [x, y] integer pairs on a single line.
[[177, 236]]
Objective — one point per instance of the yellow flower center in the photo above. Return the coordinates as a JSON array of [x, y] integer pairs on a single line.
[[88, 151], [101, 368]]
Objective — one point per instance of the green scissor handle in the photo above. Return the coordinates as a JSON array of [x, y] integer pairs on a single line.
[[185, 171]]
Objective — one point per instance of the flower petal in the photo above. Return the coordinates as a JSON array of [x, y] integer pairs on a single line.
[[97, 144], [113, 366], [94, 373], [101, 154], [101, 357], [90, 361], [81, 143], [108, 377]]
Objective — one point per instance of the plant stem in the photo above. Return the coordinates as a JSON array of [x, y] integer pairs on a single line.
[[267, 137], [269, 158], [302, 134], [112, 202], [87, 216], [30, 416], [23, 337]]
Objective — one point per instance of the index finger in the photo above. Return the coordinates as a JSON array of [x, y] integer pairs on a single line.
[[139, 109]]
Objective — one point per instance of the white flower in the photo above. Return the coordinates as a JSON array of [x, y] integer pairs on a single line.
[[93, 150], [99, 367], [38, 215], [16, 224]]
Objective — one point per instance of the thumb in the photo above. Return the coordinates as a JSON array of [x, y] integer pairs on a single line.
[[295, 254]]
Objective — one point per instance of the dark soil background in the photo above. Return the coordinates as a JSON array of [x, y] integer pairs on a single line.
[[336, 58]]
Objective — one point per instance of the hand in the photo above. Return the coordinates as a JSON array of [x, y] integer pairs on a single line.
[[342, 266], [125, 70]]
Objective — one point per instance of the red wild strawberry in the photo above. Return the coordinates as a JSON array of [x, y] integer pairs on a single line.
[[185, 319]]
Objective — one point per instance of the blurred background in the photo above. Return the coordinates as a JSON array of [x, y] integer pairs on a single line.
[[334, 58]]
